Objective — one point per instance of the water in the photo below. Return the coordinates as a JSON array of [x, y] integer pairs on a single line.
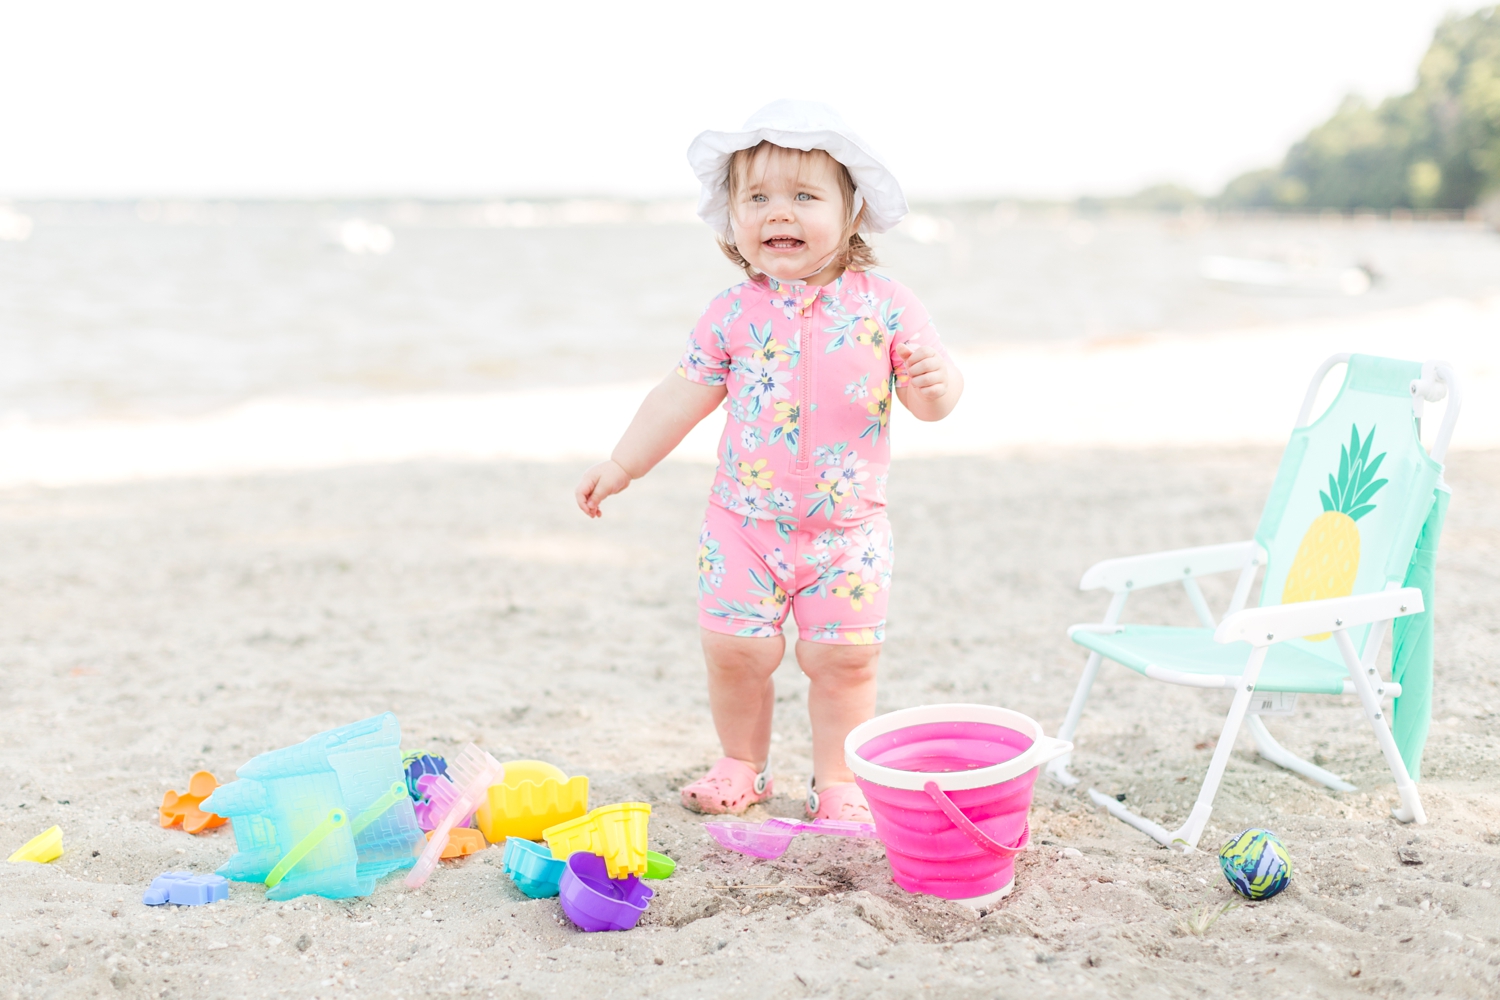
[[113, 310]]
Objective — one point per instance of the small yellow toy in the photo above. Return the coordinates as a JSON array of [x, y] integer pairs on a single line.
[[531, 797], [616, 833], [44, 847]]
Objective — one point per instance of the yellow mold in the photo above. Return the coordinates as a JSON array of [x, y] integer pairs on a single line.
[[531, 797], [616, 833], [44, 847]]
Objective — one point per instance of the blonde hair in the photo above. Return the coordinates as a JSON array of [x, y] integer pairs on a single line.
[[853, 255]]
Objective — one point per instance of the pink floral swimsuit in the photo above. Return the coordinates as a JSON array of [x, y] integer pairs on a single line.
[[796, 519]]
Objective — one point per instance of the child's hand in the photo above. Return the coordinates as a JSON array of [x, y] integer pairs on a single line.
[[603, 480], [928, 370]]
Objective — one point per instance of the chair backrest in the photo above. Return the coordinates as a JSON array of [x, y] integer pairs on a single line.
[[1352, 493]]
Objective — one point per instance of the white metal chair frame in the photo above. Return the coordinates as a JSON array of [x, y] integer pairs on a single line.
[[1263, 628]]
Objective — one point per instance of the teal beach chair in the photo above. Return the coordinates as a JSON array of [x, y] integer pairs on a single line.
[[1347, 541]]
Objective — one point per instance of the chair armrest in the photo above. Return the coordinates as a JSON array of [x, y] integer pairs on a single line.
[[1137, 572], [1280, 622]]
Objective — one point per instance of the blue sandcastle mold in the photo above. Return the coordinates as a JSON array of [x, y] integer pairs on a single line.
[[186, 889], [335, 806], [532, 867]]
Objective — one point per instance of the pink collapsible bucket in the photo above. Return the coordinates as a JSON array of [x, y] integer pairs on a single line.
[[950, 789]]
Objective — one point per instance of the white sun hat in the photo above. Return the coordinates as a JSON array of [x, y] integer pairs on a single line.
[[797, 125]]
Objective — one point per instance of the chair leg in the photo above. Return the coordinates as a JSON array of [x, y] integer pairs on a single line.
[[1058, 769], [1282, 757], [1410, 810], [1185, 838]]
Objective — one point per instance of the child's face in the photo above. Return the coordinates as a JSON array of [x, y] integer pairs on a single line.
[[788, 213]]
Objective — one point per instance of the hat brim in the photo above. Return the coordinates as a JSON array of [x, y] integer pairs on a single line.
[[709, 155]]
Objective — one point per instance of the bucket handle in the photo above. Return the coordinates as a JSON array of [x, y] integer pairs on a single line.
[[978, 836]]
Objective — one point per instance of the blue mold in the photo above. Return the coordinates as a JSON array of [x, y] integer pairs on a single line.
[[327, 816], [532, 867], [186, 889]]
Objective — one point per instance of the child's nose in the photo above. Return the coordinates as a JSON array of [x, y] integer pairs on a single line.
[[781, 210]]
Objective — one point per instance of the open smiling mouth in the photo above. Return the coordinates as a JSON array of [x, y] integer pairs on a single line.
[[784, 243]]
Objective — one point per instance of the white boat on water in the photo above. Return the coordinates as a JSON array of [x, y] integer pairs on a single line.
[[1253, 272]]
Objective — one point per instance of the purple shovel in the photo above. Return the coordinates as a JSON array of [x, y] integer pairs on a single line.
[[771, 838]]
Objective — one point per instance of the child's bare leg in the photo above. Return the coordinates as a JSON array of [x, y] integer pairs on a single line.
[[840, 695], [741, 692]]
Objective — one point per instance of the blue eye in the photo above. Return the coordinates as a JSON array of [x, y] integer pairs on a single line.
[[757, 197], [804, 196]]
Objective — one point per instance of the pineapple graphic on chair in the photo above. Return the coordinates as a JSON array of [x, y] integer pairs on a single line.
[[1328, 558], [1346, 547]]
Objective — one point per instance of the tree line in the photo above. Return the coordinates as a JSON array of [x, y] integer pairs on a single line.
[[1437, 147]]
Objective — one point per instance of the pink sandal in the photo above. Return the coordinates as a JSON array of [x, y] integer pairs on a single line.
[[730, 786], [843, 801]]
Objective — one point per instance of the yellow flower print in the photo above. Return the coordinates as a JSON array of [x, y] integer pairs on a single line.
[[776, 600], [864, 637], [858, 591], [788, 413], [756, 475], [771, 350], [873, 334], [880, 403], [835, 488]]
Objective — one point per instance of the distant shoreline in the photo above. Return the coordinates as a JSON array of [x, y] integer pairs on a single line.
[[551, 212], [1228, 389]]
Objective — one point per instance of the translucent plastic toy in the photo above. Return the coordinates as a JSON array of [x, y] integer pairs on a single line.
[[616, 833], [534, 796], [469, 775], [327, 816], [45, 846], [184, 808], [186, 889], [532, 868], [596, 902], [771, 838], [436, 799]]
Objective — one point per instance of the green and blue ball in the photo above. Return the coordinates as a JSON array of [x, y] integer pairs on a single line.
[[1256, 864]]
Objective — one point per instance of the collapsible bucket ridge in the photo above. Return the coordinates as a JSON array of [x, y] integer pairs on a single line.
[[950, 788]]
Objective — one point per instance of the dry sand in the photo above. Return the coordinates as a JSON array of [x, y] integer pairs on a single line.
[[151, 629]]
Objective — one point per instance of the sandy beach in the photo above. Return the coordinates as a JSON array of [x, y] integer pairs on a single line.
[[153, 628]]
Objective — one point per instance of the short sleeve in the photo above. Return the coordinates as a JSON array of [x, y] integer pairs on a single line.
[[910, 325], [706, 359]]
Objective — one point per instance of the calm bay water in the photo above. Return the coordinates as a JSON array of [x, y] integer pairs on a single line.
[[136, 310]]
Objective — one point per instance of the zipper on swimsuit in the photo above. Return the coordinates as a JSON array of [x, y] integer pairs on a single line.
[[804, 404]]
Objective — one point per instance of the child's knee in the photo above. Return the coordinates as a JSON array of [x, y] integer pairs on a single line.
[[840, 664], [742, 654]]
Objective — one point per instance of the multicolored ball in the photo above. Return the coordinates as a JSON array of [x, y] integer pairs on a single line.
[[417, 764], [1256, 864]]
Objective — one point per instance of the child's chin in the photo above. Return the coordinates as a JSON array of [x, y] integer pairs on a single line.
[[787, 270]]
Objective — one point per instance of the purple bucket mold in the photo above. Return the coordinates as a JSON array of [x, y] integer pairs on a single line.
[[594, 901]]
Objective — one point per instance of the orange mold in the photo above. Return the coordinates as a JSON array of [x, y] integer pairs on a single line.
[[462, 841], [184, 809]]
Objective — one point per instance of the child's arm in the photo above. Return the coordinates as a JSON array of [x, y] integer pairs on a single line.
[[935, 384], [672, 409]]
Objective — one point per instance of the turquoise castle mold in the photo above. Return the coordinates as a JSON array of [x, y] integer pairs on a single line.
[[328, 816]]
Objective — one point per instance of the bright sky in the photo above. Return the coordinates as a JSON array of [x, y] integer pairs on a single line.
[[466, 98]]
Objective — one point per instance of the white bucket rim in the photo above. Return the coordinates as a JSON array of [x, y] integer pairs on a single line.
[[1043, 747]]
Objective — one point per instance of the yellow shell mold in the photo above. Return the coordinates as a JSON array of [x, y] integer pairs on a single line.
[[532, 796], [617, 833]]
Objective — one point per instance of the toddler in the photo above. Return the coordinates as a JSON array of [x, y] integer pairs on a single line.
[[805, 356]]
